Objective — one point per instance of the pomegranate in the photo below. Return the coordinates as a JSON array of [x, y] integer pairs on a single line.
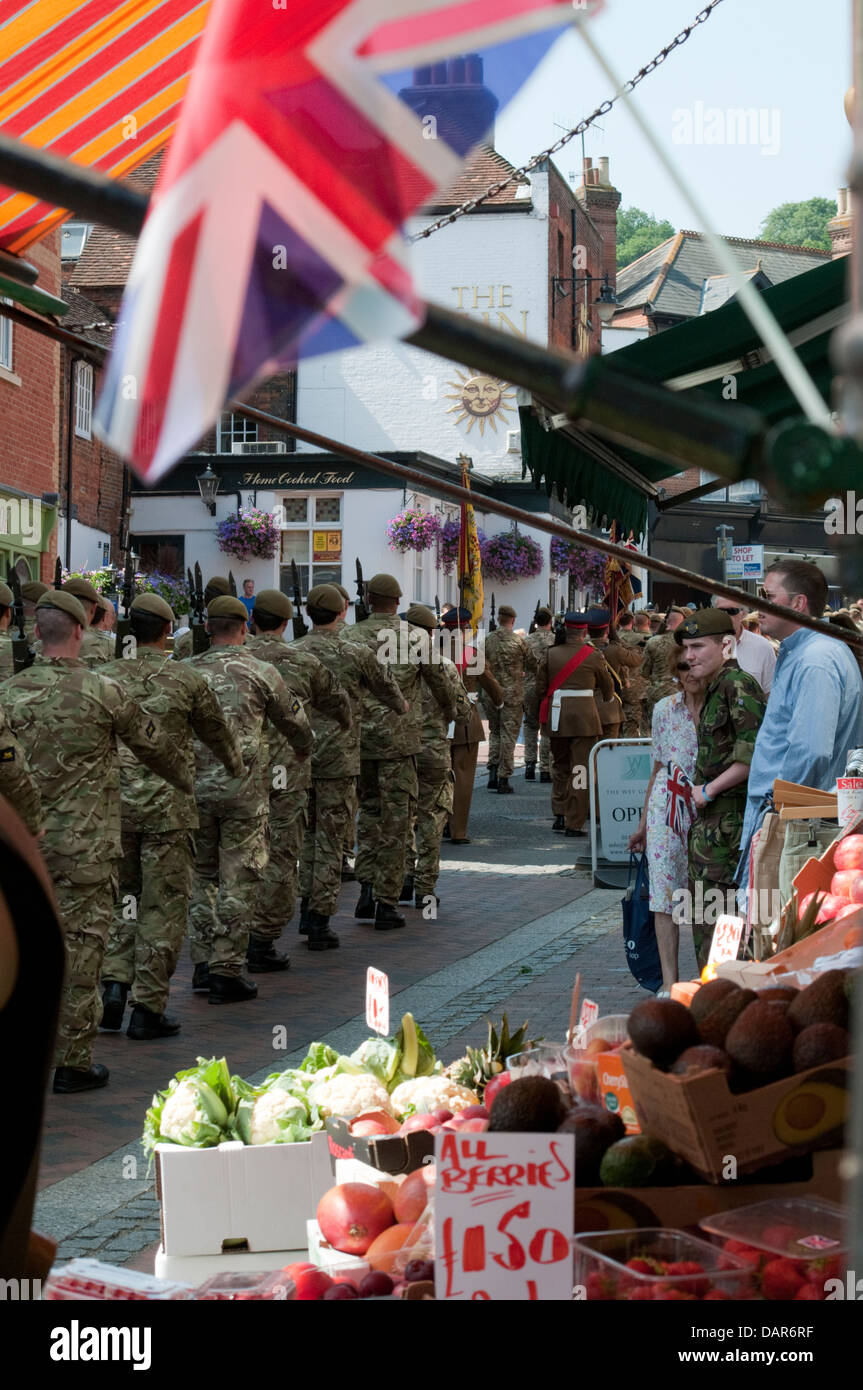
[[364, 1128], [352, 1215], [417, 1122], [496, 1084], [312, 1284], [385, 1124], [830, 907], [856, 893], [842, 882], [413, 1193], [474, 1112], [848, 854]]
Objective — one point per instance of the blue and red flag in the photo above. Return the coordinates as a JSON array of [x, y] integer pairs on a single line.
[[680, 810]]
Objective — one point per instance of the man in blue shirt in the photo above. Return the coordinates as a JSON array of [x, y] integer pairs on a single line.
[[248, 598], [815, 711]]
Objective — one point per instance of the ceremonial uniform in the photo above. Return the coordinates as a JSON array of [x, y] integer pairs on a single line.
[[539, 641], [509, 659], [572, 718], [467, 736], [635, 688]]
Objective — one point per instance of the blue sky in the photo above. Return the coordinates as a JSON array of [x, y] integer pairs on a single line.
[[789, 60]]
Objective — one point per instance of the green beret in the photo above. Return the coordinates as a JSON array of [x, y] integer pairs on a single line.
[[543, 616], [81, 588], [66, 602], [327, 597], [274, 603], [421, 616], [152, 603], [706, 622], [506, 612], [344, 593], [6, 596], [226, 606], [215, 586], [384, 586], [33, 590]]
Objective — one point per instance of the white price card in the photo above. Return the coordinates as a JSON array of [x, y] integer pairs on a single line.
[[378, 1001], [503, 1216], [589, 1012], [726, 939]]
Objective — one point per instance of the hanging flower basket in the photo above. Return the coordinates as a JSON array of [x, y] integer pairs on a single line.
[[448, 539], [412, 529], [509, 556], [249, 535], [109, 582], [585, 567]]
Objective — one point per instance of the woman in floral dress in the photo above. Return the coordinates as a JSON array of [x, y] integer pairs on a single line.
[[674, 732]]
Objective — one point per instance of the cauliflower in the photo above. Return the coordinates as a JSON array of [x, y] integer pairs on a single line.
[[181, 1111], [427, 1093], [273, 1105], [350, 1095]]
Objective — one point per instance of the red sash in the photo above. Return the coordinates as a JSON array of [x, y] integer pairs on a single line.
[[561, 676]]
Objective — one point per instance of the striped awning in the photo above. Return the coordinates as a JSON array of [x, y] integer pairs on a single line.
[[98, 82]]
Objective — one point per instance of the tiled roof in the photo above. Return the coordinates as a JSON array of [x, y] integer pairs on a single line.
[[84, 317], [107, 255], [484, 168], [671, 277]]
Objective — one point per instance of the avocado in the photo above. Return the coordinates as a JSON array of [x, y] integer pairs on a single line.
[[661, 1029], [595, 1131], [814, 1111], [713, 1028], [613, 1211], [701, 1058], [705, 999], [824, 1001], [637, 1161], [761, 1040], [532, 1105], [819, 1044], [778, 992]]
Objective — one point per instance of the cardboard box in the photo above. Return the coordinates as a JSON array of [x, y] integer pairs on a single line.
[[619, 1208], [240, 1196], [827, 941], [699, 1118], [328, 1258], [389, 1153]]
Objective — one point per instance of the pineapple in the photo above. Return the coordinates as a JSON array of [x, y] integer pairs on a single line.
[[482, 1063]]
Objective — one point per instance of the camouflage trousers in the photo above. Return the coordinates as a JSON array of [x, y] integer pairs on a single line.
[[278, 891], [230, 857], [149, 923], [503, 727], [85, 899], [351, 832], [329, 825], [714, 849], [533, 735], [632, 723], [387, 791], [434, 804]]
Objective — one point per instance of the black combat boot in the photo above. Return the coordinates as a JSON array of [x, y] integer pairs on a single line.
[[492, 777], [503, 786], [366, 905], [559, 825], [386, 917], [304, 917], [446, 831], [530, 772], [320, 936], [407, 893], [575, 834], [544, 776], [68, 1080], [422, 900], [145, 1025], [231, 989], [263, 958], [114, 993], [201, 978]]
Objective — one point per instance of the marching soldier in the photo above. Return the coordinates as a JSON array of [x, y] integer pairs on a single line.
[[509, 658], [231, 842], [387, 786], [290, 778], [68, 718], [571, 678], [335, 761], [539, 640], [158, 824], [7, 665], [17, 783], [348, 875], [660, 659], [95, 651], [217, 587], [31, 592], [633, 642], [467, 736], [610, 711]]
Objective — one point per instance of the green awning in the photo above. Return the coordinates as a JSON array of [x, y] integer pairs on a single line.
[[31, 298]]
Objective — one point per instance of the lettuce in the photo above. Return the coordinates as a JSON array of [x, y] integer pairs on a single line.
[[319, 1055]]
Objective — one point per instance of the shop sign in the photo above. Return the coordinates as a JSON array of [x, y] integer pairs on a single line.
[[747, 562], [622, 775], [378, 1002], [326, 546], [503, 1216]]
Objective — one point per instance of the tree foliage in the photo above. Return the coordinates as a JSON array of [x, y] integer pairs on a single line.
[[800, 224], [637, 233]]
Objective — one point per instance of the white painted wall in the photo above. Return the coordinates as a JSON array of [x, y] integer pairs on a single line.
[[87, 551], [615, 338]]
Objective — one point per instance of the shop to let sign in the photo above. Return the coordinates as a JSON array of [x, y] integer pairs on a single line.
[[747, 562], [503, 1214], [726, 939], [378, 1002], [326, 546]]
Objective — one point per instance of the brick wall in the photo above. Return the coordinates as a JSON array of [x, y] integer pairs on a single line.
[[96, 472], [562, 202]]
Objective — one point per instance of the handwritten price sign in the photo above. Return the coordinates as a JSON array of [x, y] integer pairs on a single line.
[[726, 939], [503, 1214], [589, 1012], [378, 1002]]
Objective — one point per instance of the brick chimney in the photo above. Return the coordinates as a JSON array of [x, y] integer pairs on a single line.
[[840, 227], [455, 94], [600, 199]]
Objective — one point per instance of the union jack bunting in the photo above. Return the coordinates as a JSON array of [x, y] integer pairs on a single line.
[[680, 809], [276, 228]]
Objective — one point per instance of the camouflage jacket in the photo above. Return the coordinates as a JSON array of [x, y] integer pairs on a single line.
[[184, 705], [406, 652], [95, 651], [319, 690], [69, 720], [16, 780], [634, 645], [435, 753], [658, 666], [510, 658], [337, 750], [252, 695], [539, 641], [731, 716], [7, 665]]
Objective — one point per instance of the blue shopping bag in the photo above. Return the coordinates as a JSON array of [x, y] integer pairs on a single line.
[[639, 929]]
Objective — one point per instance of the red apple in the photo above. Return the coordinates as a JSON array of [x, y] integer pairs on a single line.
[[496, 1084], [847, 910], [848, 854], [830, 907], [842, 881], [417, 1122], [442, 1115], [474, 1112], [362, 1128], [475, 1126], [856, 893]]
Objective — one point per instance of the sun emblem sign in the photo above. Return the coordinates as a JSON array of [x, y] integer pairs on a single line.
[[480, 398]]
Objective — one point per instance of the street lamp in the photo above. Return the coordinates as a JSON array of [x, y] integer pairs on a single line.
[[605, 305], [724, 542], [208, 486]]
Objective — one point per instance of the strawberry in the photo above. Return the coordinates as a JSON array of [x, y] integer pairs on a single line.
[[668, 1294], [736, 1247], [780, 1236], [697, 1286], [641, 1266], [828, 1268], [714, 1296], [641, 1293], [810, 1293], [780, 1280], [600, 1286]]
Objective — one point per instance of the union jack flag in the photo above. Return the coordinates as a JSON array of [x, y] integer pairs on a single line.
[[680, 809], [276, 228]]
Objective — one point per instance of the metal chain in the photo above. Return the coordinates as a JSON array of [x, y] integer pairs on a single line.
[[582, 126]]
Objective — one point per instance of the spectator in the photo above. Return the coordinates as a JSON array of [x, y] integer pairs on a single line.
[[248, 599], [754, 654]]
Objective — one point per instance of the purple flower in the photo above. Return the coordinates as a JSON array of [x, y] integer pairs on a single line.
[[448, 541], [509, 556], [252, 534], [412, 529], [586, 567]]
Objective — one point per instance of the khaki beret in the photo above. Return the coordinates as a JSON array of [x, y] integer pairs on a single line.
[[327, 597], [6, 596], [385, 586], [105, 604], [152, 603], [226, 606], [216, 585], [505, 611], [33, 590], [66, 602], [543, 615], [343, 591], [81, 588], [421, 616], [275, 603], [707, 622]]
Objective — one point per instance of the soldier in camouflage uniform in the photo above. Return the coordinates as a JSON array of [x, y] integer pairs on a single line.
[[387, 787], [31, 592], [660, 663], [158, 824], [290, 779], [510, 660], [434, 771], [217, 587], [95, 651], [335, 761], [731, 716], [539, 641], [231, 843], [17, 783], [348, 875], [7, 665], [635, 687], [69, 719]]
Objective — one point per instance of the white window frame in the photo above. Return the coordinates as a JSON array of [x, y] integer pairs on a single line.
[[84, 400], [6, 340], [310, 525], [232, 435]]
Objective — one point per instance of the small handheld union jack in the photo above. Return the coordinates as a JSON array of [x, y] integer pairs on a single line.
[[680, 809]]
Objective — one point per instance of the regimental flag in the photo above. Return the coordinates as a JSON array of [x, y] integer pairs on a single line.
[[618, 587], [303, 145], [469, 560], [680, 809]]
